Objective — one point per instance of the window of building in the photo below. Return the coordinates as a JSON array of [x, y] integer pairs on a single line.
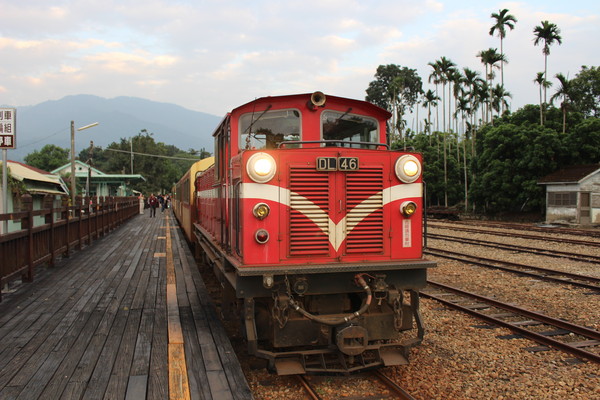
[[562, 199]]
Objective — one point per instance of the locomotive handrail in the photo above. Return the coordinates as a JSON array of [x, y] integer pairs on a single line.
[[330, 141], [341, 320]]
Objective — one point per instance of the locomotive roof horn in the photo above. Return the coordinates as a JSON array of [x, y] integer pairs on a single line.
[[317, 99]]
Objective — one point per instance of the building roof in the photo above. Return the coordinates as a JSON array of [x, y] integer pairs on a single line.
[[572, 174], [98, 175], [35, 179]]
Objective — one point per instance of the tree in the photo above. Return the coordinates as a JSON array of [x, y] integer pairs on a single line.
[[499, 101], [444, 68], [586, 91], [489, 58], [503, 20], [540, 80], [566, 93], [548, 33], [472, 83], [582, 142], [396, 89], [158, 163], [429, 99], [511, 159], [48, 158]]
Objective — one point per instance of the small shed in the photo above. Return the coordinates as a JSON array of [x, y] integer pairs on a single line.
[[573, 195], [38, 184]]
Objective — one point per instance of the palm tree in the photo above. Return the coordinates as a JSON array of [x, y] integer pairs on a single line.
[[540, 80], [490, 57], [463, 108], [456, 78], [472, 83], [565, 91], [503, 20], [430, 99], [548, 33], [500, 95], [444, 68], [435, 77]]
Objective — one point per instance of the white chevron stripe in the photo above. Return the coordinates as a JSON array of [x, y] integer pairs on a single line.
[[339, 231]]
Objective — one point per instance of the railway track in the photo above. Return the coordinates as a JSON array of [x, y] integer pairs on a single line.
[[513, 247], [584, 281], [548, 331], [397, 392], [520, 235], [530, 227]]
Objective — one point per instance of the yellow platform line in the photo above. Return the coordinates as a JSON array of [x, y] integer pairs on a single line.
[[179, 388]]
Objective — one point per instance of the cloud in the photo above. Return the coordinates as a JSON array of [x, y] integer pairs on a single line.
[[212, 55]]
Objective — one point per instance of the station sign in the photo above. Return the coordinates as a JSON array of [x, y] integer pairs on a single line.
[[8, 128]]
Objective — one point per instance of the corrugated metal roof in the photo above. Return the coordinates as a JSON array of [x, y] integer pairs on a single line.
[[20, 171], [23, 172], [572, 174]]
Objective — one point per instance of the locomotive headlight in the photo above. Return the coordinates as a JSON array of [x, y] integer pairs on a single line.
[[261, 211], [408, 168], [261, 167], [408, 208]]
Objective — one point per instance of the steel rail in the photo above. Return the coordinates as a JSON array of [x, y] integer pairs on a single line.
[[398, 390], [307, 387], [513, 247], [530, 227], [577, 329], [585, 281], [521, 235]]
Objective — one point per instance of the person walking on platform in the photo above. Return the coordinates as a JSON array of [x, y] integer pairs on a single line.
[[161, 201], [153, 203]]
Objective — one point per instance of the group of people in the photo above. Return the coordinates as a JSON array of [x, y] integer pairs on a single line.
[[160, 200]]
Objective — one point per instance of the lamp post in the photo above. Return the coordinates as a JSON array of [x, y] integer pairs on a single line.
[[73, 156]]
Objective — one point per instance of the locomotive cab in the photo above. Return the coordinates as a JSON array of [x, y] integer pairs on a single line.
[[315, 226]]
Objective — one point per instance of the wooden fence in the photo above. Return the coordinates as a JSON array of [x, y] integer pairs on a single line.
[[91, 218]]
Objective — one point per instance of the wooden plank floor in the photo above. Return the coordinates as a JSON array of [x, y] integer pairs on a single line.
[[125, 318]]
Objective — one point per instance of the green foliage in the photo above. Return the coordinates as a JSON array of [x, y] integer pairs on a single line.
[[158, 163], [48, 158], [14, 185], [511, 159], [396, 89], [582, 144], [586, 91]]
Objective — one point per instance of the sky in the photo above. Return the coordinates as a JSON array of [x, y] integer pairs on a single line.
[[212, 56]]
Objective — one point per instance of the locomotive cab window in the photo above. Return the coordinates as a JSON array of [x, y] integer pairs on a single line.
[[267, 129], [342, 127]]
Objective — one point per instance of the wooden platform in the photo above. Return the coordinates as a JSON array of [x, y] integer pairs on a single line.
[[126, 318]]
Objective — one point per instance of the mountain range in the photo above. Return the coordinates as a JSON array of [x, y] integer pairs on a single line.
[[120, 117]]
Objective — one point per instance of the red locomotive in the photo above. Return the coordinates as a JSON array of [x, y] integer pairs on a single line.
[[314, 227]]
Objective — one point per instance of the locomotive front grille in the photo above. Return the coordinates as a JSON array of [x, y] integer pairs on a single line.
[[309, 212], [364, 204], [311, 194]]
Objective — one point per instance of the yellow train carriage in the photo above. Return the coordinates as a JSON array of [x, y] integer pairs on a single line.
[[184, 194]]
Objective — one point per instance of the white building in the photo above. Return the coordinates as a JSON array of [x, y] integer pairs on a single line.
[[99, 183], [573, 195]]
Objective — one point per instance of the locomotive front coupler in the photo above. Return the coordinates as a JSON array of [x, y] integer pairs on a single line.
[[360, 281]]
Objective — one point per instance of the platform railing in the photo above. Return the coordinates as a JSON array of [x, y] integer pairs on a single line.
[[64, 229]]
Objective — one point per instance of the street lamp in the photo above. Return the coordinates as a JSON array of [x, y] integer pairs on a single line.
[[73, 156]]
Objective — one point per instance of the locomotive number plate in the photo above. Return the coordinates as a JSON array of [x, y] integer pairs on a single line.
[[337, 163]]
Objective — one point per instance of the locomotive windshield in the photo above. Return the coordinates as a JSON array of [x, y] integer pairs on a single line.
[[265, 130], [346, 127]]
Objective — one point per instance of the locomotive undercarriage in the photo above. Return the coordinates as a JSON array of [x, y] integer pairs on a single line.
[[305, 319], [294, 343]]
